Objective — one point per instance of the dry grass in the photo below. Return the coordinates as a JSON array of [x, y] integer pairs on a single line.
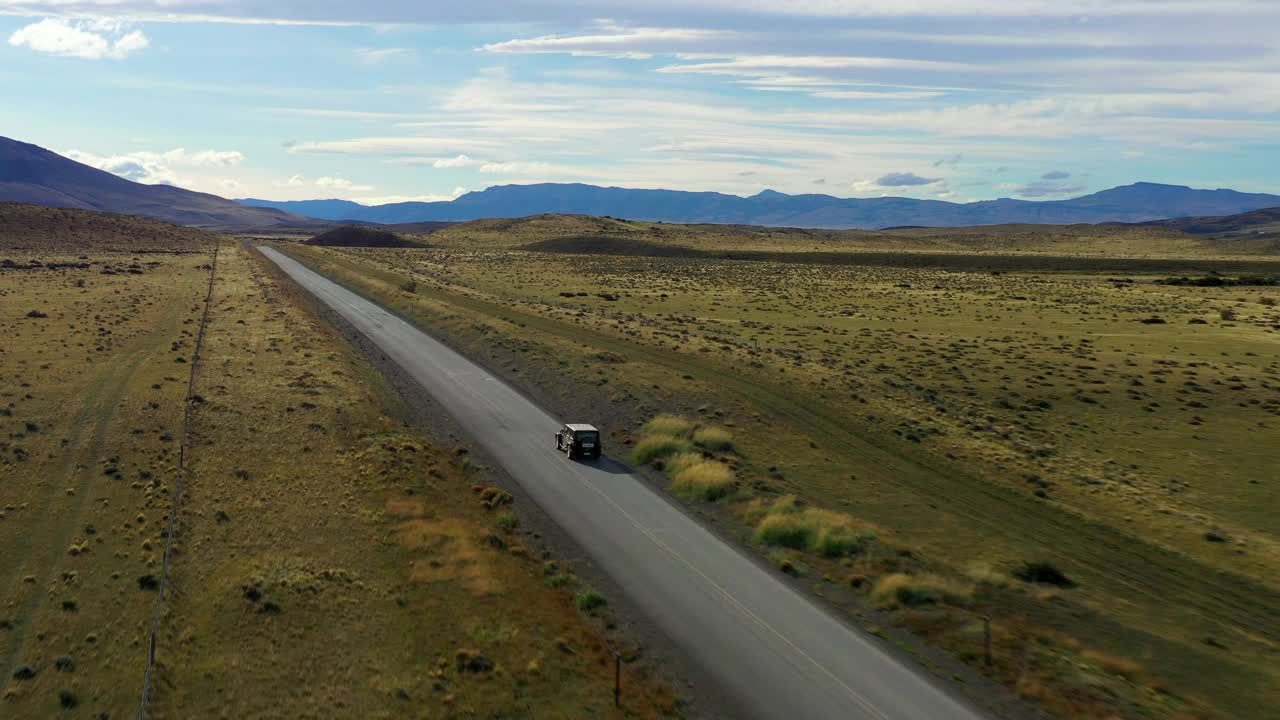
[[92, 387], [296, 450], [785, 523], [658, 447], [903, 590], [1007, 417], [1121, 666], [707, 480], [671, 425], [713, 438], [316, 531]]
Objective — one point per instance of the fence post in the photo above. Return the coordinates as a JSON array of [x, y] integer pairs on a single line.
[[617, 679], [986, 639]]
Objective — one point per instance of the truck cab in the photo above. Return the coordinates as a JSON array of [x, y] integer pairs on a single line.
[[577, 440]]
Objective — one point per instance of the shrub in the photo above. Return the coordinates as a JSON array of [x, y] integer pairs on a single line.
[[1227, 314], [786, 524], [682, 460], [787, 530], [559, 580], [704, 480], [588, 600], [658, 447], [903, 590], [1044, 573], [409, 286], [507, 520], [672, 425], [1268, 301], [713, 438]]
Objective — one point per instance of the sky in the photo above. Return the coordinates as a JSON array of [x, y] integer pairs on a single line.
[[393, 100]]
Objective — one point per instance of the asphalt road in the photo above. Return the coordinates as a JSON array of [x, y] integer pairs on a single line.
[[772, 650]]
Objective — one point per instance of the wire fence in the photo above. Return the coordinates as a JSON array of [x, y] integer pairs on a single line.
[[177, 491]]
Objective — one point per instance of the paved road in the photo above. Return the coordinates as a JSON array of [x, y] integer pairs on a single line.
[[771, 649]]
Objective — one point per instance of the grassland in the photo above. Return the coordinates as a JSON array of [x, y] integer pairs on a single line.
[[97, 347], [1076, 241], [329, 560], [1118, 430]]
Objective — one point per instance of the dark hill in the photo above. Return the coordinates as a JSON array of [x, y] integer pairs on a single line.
[[1265, 222], [31, 174], [71, 231], [359, 236]]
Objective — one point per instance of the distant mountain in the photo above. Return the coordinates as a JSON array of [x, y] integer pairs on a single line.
[[31, 174], [1131, 203]]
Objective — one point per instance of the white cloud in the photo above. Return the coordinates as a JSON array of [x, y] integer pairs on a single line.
[[634, 43], [516, 168], [295, 181], [95, 40], [378, 56], [341, 185], [653, 11], [157, 167], [876, 95], [754, 65], [454, 162], [391, 145], [388, 199]]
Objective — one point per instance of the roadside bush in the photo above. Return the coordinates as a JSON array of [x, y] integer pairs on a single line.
[[713, 438], [1227, 314], [903, 590], [672, 425], [784, 523], [706, 480], [588, 600], [409, 286], [658, 447], [785, 531], [682, 460]]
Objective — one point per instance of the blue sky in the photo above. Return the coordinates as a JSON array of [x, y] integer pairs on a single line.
[[396, 100]]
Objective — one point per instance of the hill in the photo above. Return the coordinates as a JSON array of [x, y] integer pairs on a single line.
[[358, 236], [1138, 202], [70, 231], [592, 235], [1259, 225], [31, 174]]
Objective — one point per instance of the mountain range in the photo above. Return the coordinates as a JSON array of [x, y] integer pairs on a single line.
[[1134, 203], [31, 174]]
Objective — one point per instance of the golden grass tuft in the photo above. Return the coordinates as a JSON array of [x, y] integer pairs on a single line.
[[672, 425], [713, 438], [904, 590], [785, 523], [658, 447], [682, 460], [704, 480]]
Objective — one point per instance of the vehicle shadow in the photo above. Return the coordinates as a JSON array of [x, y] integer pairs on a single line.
[[606, 464]]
